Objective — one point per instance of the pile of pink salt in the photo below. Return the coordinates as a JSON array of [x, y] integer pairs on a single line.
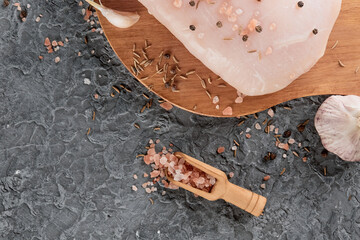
[[177, 168]]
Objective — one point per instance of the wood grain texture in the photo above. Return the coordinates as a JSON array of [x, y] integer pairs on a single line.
[[327, 77]]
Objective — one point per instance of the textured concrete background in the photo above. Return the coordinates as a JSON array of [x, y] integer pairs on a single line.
[[57, 182]]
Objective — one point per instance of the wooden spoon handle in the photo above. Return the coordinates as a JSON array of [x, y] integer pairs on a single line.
[[244, 199]]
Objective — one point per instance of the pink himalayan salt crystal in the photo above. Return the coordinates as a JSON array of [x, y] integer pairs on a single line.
[[144, 185], [248, 135], [147, 159], [268, 51], [284, 146], [232, 17], [235, 27], [239, 100], [146, 175], [135, 176], [272, 26], [216, 100], [239, 11], [291, 141], [173, 186], [276, 131], [148, 190], [134, 188], [163, 160], [157, 159], [272, 127], [258, 126], [229, 11], [177, 3], [271, 112], [220, 150], [252, 25], [179, 169], [227, 111], [167, 106], [151, 151], [231, 174]]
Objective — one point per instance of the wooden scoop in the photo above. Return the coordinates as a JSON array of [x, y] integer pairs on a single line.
[[240, 197]]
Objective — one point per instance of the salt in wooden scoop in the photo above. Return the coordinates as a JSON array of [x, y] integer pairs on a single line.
[[223, 189]]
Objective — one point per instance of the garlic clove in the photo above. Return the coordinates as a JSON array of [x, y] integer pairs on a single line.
[[338, 124], [117, 18]]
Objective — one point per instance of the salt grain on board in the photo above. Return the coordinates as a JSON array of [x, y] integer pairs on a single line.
[[227, 111], [257, 126], [239, 100]]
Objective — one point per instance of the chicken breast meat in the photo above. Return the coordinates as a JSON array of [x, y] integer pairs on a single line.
[[258, 47]]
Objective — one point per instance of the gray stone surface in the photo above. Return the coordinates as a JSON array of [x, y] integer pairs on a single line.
[[56, 182]]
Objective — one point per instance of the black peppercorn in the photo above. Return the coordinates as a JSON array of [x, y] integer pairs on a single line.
[[192, 27], [300, 4], [245, 38], [287, 134], [258, 29]]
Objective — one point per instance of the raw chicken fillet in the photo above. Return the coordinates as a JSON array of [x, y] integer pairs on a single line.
[[258, 47]]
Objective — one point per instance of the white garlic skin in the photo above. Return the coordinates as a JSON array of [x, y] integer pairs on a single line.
[[338, 124], [120, 19], [116, 18]]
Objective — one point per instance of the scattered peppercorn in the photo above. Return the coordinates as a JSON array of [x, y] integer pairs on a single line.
[[258, 29], [300, 4], [23, 13], [270, 156], [167, 55], [324, 153], [287, 134], [192, 27], [192, 3], [315, 31], [219, 24], [245, 38], [6, 3]]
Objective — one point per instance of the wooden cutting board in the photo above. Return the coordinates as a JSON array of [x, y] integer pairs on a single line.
[[327, 77]]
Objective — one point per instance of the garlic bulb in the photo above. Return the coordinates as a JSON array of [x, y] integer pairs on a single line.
[[338, 124], [116, 18]]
